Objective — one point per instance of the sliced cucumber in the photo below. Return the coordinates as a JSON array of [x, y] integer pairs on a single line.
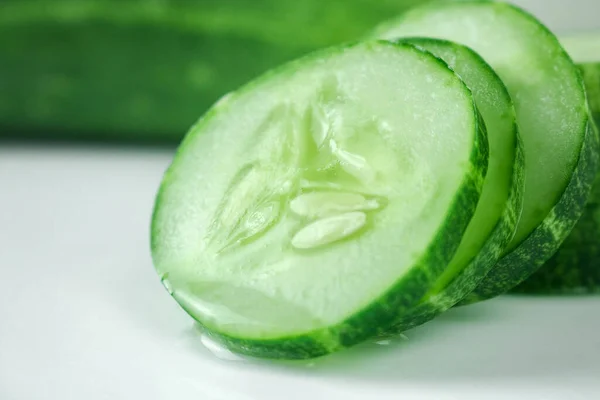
[[294, 226], [561, 148], [497, 214], [575, 268]]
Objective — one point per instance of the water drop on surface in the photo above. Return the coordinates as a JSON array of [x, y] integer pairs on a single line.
[[164, 279], [218, 350]]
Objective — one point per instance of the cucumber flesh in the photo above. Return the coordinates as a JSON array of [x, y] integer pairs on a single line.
[[384, 137], [552, 114], [575, 268], [583, 47], [494, 223]]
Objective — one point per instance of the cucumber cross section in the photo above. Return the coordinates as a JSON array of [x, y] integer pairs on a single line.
[[301, 215]]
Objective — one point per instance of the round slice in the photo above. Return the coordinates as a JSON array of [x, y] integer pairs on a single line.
[[494, 223], [561, 148], [304, 212], [575, 268]]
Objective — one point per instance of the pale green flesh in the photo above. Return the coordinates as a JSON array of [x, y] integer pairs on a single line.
[[285, 214], [583, 48], [496, 107], [540, 77]]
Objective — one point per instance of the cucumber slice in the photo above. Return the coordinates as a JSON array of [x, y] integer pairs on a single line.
[[561, 148], [385, 137], [497, 214], [575, 268], [142, 71]]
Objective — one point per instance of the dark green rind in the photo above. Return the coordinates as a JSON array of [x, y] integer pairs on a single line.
[[575, 268], [464, 283], [142, 71], [377, 318], [374, 320], [547, 238]]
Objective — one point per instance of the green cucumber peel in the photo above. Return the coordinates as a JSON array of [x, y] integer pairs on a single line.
[[308, 194]]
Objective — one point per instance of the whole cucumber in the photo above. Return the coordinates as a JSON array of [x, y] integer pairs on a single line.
[[143, 71]]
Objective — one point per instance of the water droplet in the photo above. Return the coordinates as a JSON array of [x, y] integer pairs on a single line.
[[164, 279], [218, 350]]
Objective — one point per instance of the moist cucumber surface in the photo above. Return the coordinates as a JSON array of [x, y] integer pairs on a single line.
[[575, 268], [142, 71], [291, 227], [553, 116], [497, 214]]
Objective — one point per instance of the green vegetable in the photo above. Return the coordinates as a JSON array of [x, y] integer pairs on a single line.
[[575, 268], [294, 226], [498, 210], [561, 147], [142, 71]]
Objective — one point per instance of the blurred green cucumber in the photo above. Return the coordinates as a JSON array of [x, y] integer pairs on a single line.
[[143, 71]]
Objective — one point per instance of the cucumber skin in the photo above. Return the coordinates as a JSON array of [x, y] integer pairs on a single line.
[[575, 268], [69, 73], [366, 323], [464, 283], [547, 238], [462, 286]]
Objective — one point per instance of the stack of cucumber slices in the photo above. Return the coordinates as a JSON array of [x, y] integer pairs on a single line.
[[575, 268], [366, 188]]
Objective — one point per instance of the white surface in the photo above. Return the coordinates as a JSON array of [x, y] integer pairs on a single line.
[[83, 315]]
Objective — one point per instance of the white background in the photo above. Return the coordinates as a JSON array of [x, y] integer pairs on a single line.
[[83, 315]]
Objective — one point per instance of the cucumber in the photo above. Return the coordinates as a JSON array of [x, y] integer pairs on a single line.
[[142, 71], [292, 227], [497, 214], [575, 268], [561, 147]]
